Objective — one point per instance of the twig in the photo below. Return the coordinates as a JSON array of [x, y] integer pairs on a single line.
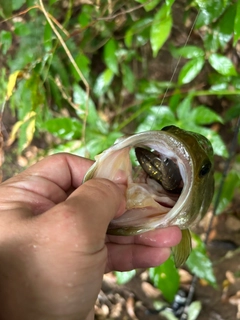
[[37, 7], [123, 12], [74, 65], [65, 95], [20, 14]]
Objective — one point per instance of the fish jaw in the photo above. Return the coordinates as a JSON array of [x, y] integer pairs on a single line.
[[143, 212]]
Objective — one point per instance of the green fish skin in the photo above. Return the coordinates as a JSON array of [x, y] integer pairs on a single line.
[[149, 205]]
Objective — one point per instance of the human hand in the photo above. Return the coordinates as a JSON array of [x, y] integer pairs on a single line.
[[53, 244]]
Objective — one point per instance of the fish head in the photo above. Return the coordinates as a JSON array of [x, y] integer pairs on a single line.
[[199, 152], [149, 205]]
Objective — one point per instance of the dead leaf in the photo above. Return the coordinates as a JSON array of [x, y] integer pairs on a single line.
[[149, 290], [130, 308]]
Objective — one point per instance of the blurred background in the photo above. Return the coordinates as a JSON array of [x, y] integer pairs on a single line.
[[77, 74]]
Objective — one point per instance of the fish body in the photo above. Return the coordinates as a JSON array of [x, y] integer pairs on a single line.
[[156, 202]]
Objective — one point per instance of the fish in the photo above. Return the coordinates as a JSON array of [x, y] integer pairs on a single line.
[[171, 183]]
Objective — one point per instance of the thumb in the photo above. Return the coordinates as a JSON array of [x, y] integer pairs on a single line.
[[83, 218], [96, 203]]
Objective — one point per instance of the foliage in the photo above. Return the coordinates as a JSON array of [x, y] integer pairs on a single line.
[[199, 263], [105, 50], [160, 277], [230, 188], [124, 277], [86, 106]]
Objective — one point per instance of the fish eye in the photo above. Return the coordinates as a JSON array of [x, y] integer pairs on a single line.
[[206, 167]]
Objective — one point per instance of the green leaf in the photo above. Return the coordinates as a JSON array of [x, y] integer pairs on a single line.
[[237, 24], [230, 187], [166, 278], [149, 5], [222, 64], [16, 4], [199, 263], [219, 146], [232, 112], [189, 52], [160, 29], [136, 28], [184, 108], [83, 63], [190, 70], [169, 3], [174, 100], [211, 41], [59, 67], [210, 10], [5, 41], [124, 277], [85, 17], [72, 146], [109, 55], [194, 310], [203, 115], [152, 88], [128, 78], [97, 142], [86, 105], [64, 128], [156, 118], [225, 26], [6, 8], [236, 82], [48, 37], [21, 29], [103, 82]]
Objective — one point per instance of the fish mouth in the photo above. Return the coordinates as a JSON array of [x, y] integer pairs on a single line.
[[148, 204], [148, 200], [165, 198], [151, 202]]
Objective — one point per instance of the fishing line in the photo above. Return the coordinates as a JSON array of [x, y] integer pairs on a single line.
[[232, 153], [177, 64]]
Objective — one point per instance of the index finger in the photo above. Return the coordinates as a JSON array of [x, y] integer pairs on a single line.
[[46, 183], [64, 170]]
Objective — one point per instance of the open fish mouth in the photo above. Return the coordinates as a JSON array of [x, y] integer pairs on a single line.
[[150, 204], [172, 184], [159, 175], [154, 189]]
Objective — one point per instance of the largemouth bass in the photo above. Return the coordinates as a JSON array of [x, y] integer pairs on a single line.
[[172, 185]]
